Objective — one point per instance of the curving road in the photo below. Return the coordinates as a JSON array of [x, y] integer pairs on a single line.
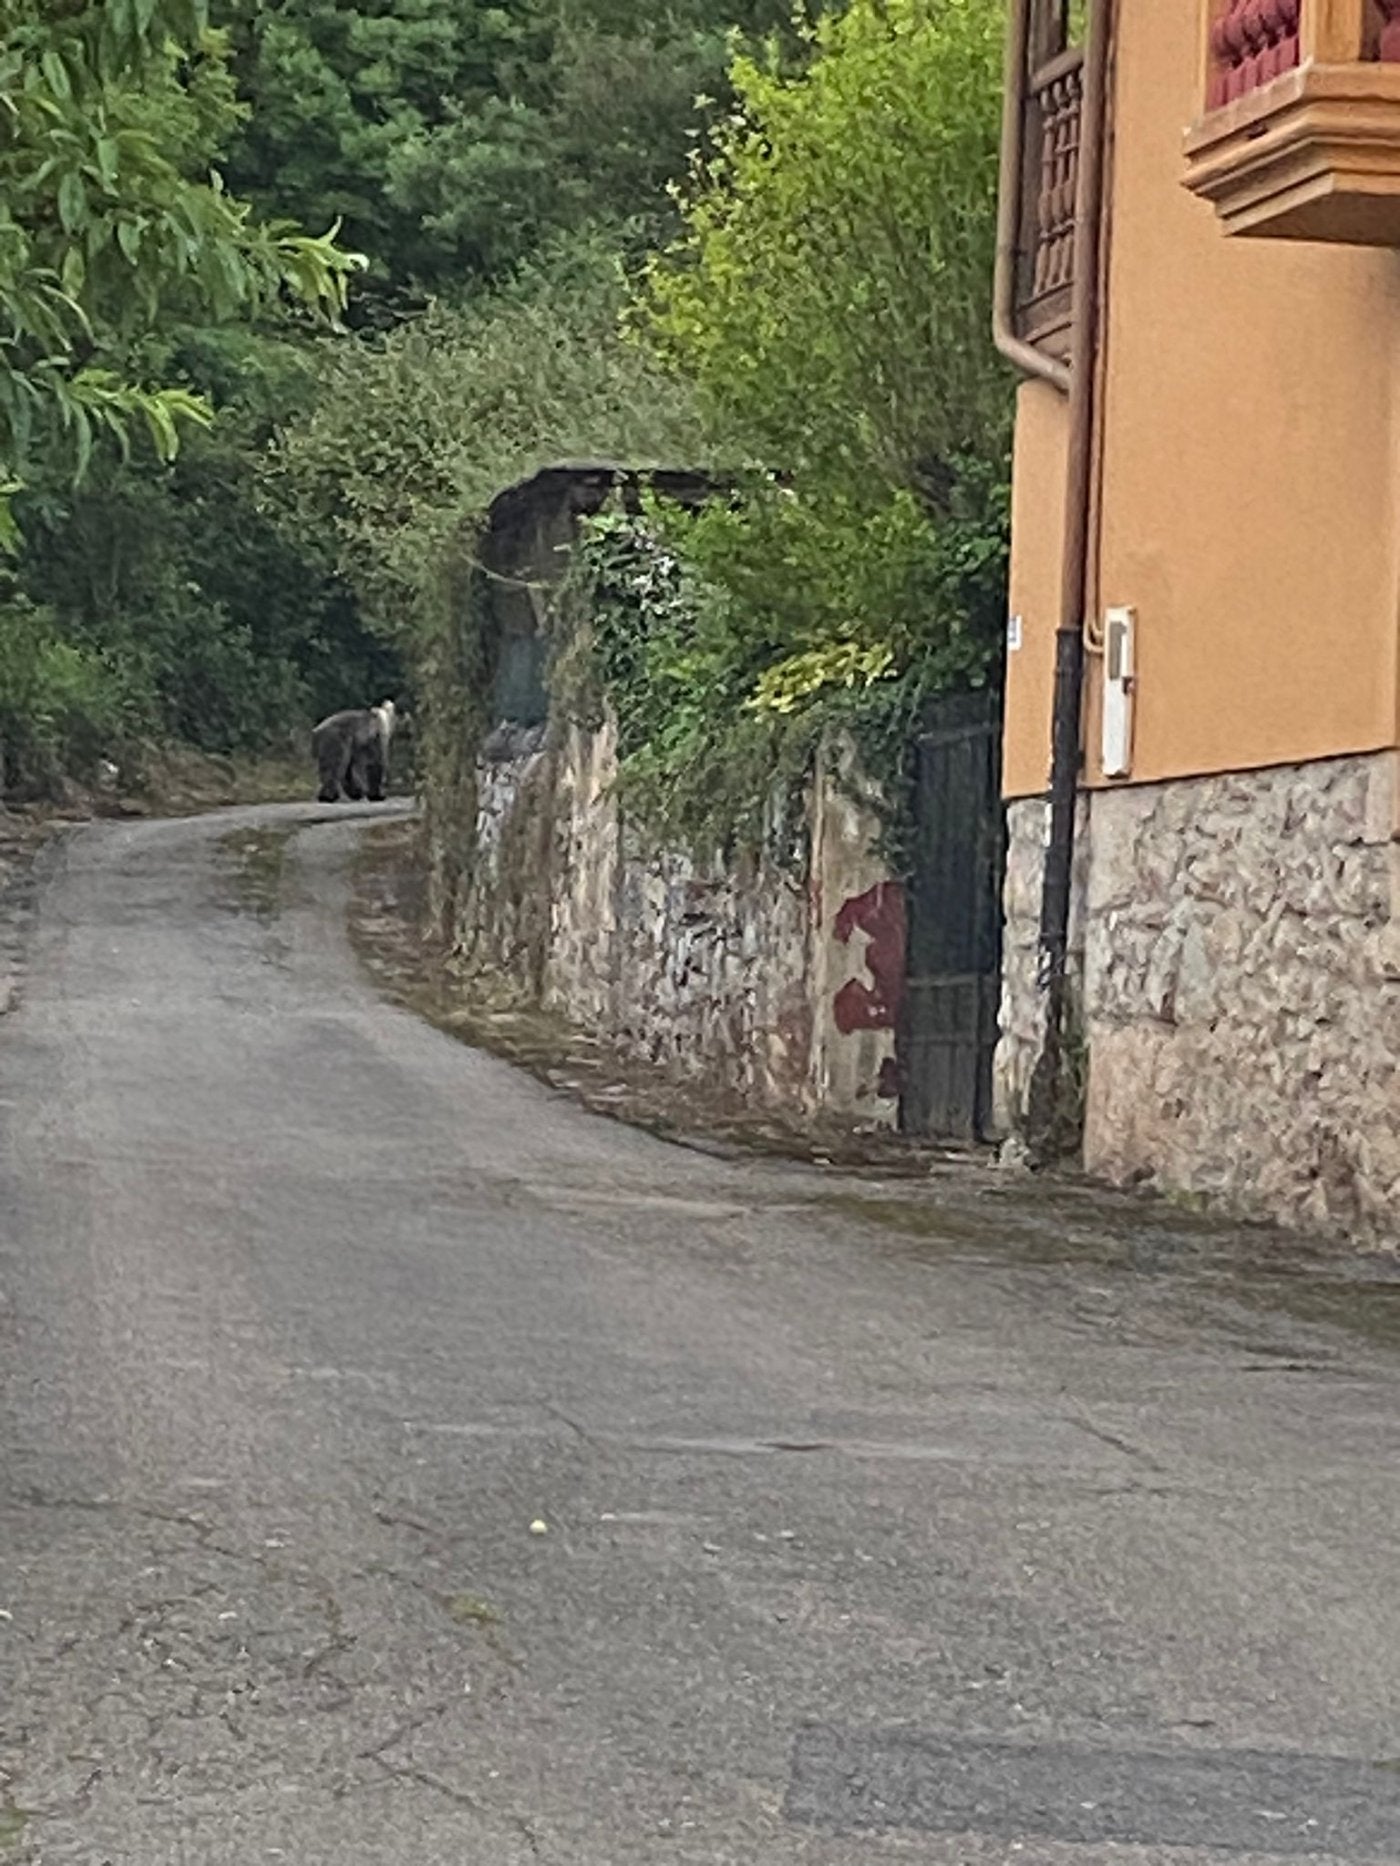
[[985, 1525]]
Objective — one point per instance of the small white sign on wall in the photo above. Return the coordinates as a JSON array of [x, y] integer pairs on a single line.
[[1118, 692], [1013, 634]]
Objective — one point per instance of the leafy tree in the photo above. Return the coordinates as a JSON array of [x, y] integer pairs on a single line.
[[110, 221], [414, 433], [828, 297], [594, 135], [829, 292], [121, 252], [346, 96], [454, 139]]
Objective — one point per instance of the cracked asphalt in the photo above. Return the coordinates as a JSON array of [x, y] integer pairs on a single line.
[[968, 1522]]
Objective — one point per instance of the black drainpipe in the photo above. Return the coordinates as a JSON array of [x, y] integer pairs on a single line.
[[1046, 1104]]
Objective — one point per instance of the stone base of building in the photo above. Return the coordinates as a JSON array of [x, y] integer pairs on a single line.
[[1238, 978]]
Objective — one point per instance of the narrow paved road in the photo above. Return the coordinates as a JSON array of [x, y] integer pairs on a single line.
[[1000, 1526]]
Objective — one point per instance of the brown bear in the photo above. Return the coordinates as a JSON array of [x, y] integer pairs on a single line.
[[352, 752]]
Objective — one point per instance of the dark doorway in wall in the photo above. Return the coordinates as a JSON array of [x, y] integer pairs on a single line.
[[949, 1021]]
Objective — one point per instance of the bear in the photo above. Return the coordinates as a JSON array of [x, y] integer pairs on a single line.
[[352, 752]]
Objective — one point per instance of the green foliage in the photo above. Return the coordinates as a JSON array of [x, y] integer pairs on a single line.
[[140, 598], [233, 631], [830, 292], [63, 706], [864, 575], [674, 660], [453, 675], [828, 296], [109, 115], [454, 140], [413, 434], [344, 96], [730, 640]]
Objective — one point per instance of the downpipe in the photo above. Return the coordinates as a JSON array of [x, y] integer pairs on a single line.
[[1049, 1111], [1011, 180]]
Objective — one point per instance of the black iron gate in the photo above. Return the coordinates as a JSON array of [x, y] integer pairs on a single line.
[[949, 1022]]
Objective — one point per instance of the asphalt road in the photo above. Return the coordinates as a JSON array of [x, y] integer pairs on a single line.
[[991, 1524]]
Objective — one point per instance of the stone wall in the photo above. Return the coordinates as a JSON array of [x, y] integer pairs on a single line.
[[1022, 1018], [738, 976], [505, 924], [1241, 992]]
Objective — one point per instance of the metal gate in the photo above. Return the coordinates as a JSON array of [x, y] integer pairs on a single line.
[[949, 1023]]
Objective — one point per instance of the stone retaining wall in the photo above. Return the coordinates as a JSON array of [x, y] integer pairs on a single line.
[[738, 976]]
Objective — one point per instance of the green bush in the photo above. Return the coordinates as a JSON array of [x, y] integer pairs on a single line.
[[728, 641], [828, 297], [830, 292], [413, 436], [63, 707]]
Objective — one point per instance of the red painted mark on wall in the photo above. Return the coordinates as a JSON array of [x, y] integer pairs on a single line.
[[879, 914]]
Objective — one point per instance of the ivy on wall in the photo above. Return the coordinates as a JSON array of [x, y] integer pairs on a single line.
[[682, 622]]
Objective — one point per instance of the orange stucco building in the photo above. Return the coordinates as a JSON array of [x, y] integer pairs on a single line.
[[1235, 985]]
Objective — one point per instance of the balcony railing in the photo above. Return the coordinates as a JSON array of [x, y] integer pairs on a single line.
[[1054, 99], [1299, 135], [1251, 43]]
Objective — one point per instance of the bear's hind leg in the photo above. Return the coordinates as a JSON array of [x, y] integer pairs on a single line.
[[374, 775], [328, 763]]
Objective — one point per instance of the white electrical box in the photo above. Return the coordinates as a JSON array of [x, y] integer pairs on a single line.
[[1118, 689]]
